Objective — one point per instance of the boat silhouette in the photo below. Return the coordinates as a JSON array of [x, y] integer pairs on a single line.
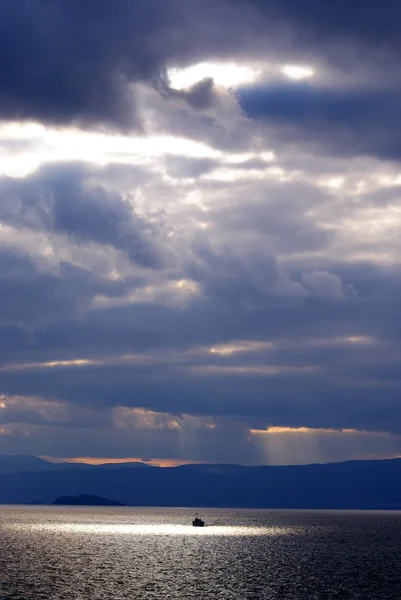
[[197, 522]]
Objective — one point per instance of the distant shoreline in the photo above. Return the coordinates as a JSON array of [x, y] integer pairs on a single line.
[[354, 485], [205, 508], [86, 500]]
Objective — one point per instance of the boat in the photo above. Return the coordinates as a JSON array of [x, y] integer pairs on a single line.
[[197, 522]]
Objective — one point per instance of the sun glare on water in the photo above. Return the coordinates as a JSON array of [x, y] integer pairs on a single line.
[[160, 530]]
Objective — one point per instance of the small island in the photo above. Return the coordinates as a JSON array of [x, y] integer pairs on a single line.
[[86, 500]]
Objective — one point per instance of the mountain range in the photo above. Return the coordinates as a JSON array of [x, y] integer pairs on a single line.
[[373, 484]]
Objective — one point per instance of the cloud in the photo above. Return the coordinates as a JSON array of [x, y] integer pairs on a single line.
[[31, 295], [77, 61], [327, 285], [19, 413], [360, 121], [59, 199], [278, 214], [366, 31], [230, 266], [199, 96], [16, 409], [143, 348]]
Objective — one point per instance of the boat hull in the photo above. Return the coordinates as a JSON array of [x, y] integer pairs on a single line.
[[198, 523]]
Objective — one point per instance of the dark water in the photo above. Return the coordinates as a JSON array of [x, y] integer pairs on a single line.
[[98, 553]]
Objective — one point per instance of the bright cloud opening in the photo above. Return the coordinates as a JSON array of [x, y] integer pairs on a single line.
[[297, 72], [225, 75], [240, 346], [51, 144]]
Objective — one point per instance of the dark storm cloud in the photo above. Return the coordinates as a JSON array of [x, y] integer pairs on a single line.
[[353, 107], [344, 121], [356, 110], [348, 382], [59, 205], [58, 199], [322, 399], [32, 295], [245, 294], [233, 257], [68, 61], [306, 103], [336, 24]]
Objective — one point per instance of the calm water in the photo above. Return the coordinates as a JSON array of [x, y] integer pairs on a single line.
[[101, 553]]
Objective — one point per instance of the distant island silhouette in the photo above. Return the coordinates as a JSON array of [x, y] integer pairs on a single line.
[[86, 500], [363, 484]]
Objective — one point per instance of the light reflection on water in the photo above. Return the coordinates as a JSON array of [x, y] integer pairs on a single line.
[[69, 553], [167, 529]]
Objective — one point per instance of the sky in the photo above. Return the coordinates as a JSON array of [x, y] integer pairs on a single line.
[[200, 226]]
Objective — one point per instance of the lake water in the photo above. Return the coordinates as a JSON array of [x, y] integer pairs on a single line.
[[117, 553]]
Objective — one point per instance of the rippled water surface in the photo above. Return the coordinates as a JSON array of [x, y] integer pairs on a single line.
[[115, 553]]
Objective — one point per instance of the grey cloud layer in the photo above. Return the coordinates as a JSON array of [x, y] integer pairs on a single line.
[[60, 200], [349, 121], [70, 61], [31, 295], [226, 291], [246, 293], [75, 60]]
